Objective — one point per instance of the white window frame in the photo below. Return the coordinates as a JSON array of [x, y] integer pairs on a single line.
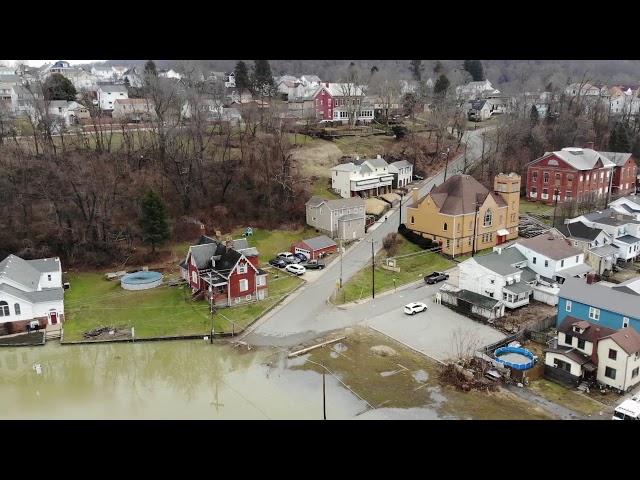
[[242, 268], [594, 313], [568, 305], [243, 284]]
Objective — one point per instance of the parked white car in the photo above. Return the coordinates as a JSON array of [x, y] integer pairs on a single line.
[[415, 307], [295, 269]]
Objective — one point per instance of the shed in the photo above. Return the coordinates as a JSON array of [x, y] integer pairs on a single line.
[[314, 247], [393, 199], [375, 206]]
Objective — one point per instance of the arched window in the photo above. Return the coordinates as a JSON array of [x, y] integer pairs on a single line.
[[412, 220], [444, 227], [488, 218], [4, 309], [16, 307]]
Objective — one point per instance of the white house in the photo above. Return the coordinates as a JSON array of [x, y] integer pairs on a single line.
[[624, 229], [310, 80], [362, 177], [589, 352], [553, 257], [81, 79], [595, 243], [170, 73], [629, 205], [108, 94], [502, 275], [473, 90], [30, 290], [104, 73], [624, 105], [210, 107], [402, 171]]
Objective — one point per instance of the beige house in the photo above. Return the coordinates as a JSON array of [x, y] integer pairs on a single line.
[[134, 109], [343, 218], [463, 216]]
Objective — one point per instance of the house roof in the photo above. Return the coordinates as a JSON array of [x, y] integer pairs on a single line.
[[628, 239], [628, 339], [336, 204], [604, 250], [618, 158], [575, 270], [579, 158], [518, 287], [477, 299], [551, 246], [319, 242], [20, 271], [579, 231], [113, 88], [630, 198], [400, 164], [46, 265], [374, 162], [44, 295], [599, 296], [614, 221], [589, 333], [10, 78], [501, 263], [59, 103], [459, 195], [133, 101]]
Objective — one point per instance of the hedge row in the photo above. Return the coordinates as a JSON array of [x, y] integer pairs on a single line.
[[416, 238]]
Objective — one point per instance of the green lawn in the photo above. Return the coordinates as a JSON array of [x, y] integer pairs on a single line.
[[93, 301], [414, 264], [270, 243], [534, 207]]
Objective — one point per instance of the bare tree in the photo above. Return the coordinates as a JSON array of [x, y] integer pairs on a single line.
[[464, 343], [388, 90]]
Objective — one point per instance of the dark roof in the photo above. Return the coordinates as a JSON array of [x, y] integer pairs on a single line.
[[459, 195], [578, 230], [571, 353], [589, 334], [479, 300], [628, 339]]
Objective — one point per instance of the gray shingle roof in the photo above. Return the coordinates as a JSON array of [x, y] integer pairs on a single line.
[[20, 271], [45, 265], [459, 195], [599, 296], [618, 158], [503, 263], [629, 239], [553, 247], [579, 231], [317, 243]]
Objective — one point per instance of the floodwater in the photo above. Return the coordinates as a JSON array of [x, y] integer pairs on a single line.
[[182, 379]]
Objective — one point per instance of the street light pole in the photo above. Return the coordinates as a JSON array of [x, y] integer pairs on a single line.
[[475, 231], [400, 212], [446, 165], [373, 272], [556, 193]]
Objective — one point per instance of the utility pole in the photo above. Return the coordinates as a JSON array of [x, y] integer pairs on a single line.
[[475, 231], [555, 205], [340, 262], [324, 401], [400, 212], [373, 272], [446, 166]]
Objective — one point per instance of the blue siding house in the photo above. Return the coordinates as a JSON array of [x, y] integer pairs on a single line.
[[610, 307]]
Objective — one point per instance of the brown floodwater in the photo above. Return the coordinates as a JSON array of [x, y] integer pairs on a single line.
[[166, 380]]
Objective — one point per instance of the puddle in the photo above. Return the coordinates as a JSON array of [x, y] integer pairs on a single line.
[[420, 376]]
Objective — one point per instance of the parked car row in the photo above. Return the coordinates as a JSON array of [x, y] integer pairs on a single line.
[[291, 262]]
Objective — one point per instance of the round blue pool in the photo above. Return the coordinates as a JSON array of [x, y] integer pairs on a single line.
[[141, 280], [518, 358]]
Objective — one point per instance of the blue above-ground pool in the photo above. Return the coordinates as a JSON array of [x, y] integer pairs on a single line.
[[141, 280], [518, 358]]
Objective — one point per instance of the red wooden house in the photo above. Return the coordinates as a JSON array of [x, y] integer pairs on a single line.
[[580, 174], [226, 271]]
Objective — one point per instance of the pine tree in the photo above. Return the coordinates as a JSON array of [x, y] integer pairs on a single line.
[[59, 87], [534, 116], [262, 78], [155, 220], [621, 139], [416, 68], [150, 68], [474, 67], [243, 81], [438, 68], [442, 85]]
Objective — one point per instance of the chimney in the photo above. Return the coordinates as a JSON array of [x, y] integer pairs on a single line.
[[590, 278], [202, 230], [416, 192], [378, 156], [327, 84], [590, 145], [594, 354]]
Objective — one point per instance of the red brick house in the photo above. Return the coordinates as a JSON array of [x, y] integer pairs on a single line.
[[625, 175], [579, 174], [227, 271]]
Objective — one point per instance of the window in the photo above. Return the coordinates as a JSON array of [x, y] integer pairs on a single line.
[[576, 258], [546, 263], [535, 176], [613, 354], [581, 343], [248, 297], [534, 190], [535, 260], [4, 309], [625, 321], [610, 373], [444, 227], [562, 263], [546, 177], [594, 313], [194, 277], [412, 221], [244, 285], [562, 365], [488, 218], [568, 339], [16, 307], [634, 372], [568, 305], [459, 227], [558, 178], [242, 268], [448, 243], [471, 225]]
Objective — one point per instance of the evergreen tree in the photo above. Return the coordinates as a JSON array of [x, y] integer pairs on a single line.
[[155, 220], [534, 116], [263, 78], [150, 68], [416, 68], [621, 139], [442, 85], [474, 67], [438, 68], [59, 87], [243, 81], [374, 69]]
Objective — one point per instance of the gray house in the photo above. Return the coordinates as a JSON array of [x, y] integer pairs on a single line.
[[343, 218]]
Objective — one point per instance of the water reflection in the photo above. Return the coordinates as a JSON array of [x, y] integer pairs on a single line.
[[165, 380]]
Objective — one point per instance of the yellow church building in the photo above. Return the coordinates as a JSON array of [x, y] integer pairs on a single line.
[[464, 217]]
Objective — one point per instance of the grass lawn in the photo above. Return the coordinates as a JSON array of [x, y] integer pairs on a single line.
[[563, 396], [414, 264], [534, 207], [93, 301], [365, 147], [270, 243]]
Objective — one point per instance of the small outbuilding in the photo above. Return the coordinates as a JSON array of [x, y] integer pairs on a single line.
[[315, 247]]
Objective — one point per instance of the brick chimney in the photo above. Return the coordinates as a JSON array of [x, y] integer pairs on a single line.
[[416, 192], [327, 84], [202, 230], [594, 354], [590, 145]]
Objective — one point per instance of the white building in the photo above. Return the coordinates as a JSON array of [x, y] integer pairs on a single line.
[[402, 172], [108, 94], [362, 177], [31, 290], [629, 205]]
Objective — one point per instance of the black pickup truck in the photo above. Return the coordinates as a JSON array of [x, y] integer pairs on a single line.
[[436, 277]]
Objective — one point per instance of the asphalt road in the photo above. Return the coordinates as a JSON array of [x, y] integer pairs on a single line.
[[306, 314]]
